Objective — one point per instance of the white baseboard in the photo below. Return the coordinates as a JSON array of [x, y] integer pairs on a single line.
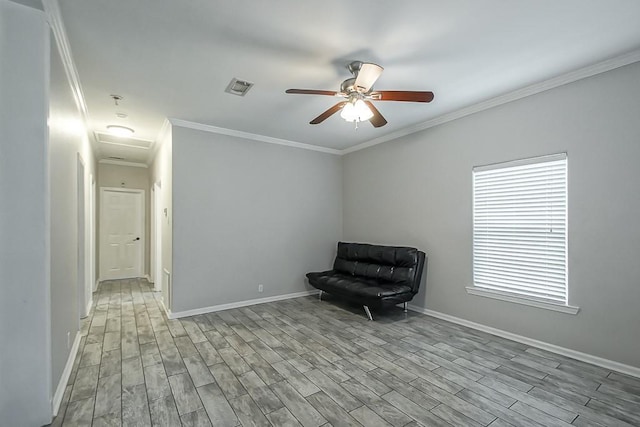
[[95, 287], [563, 351], [62, 384], [238, 304], [146, 276], [89, 305], [166, 311]]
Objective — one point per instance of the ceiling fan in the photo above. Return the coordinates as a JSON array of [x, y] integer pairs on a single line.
[[358, 93]]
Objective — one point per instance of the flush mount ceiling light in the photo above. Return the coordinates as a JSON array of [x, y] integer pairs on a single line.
[[120, 130]]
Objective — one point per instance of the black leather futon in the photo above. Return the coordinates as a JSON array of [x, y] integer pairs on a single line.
[[372, 275]]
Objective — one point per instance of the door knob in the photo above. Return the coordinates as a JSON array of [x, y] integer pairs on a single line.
[[137, 238]]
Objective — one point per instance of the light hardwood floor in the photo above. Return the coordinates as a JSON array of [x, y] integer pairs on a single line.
[[321, 363]]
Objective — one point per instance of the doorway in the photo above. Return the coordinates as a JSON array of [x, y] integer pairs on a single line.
[[121, 233]]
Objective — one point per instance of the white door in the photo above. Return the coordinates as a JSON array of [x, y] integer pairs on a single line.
[[121, 233]]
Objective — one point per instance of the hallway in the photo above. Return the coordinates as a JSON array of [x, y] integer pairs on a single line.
[[313, 363]]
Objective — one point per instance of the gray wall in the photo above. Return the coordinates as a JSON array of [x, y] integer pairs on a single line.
[[25, 369], [417, 191], [249, 213], [132, 177]]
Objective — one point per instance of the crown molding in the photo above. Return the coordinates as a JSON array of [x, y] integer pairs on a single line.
[[252, 136], [123, 163], [570, 77], [52, 9], [54, 17]]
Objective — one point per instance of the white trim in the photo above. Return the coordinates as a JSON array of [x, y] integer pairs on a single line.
[[563, 351], [96, 285], [521, 299], [66, 373], [252, 136], [169, 289], [166, 311], [81, 223], [521, 162], [123, 163], [563, 79], [155, 250], [52, 9], [93, 186], [108, 138], [54, 17], [122, 144], [146, 276], [89, 305], [238, 304]]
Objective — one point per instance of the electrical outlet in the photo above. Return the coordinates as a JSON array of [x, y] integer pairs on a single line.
[[260, 288], [68, 340]]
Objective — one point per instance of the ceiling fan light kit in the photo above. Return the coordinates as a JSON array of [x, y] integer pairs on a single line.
[[359, 94], [356, 111]]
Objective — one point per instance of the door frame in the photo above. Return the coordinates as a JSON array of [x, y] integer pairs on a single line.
[[156, 232], [93, 280], [141, 192], [81, 269]]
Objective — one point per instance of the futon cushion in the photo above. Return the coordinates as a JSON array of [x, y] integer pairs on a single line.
[[382, 263]]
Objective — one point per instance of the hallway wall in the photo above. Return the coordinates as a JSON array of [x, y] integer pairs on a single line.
[[25, 367], [68, 138]]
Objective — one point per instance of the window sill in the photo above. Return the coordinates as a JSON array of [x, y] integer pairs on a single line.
[[503, 296]]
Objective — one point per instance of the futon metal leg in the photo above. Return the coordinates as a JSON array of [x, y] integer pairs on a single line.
[[406, 304], [320, 296], [366, 309]]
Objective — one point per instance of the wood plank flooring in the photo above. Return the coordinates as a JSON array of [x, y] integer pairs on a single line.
[[321, 363]]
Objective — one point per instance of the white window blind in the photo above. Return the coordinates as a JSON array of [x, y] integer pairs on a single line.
[[520, 228]]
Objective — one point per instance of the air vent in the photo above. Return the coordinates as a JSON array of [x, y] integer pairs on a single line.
[[238, 87], [115, 158]]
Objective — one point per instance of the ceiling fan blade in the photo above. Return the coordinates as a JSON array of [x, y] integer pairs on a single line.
[[367, 76], [331, 111], [377, 120], [312, 92], [402, 95]]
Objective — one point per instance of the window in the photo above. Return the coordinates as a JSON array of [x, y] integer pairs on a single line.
[[520, 231]]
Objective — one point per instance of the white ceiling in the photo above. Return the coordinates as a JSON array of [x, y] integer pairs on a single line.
[[171, 58]]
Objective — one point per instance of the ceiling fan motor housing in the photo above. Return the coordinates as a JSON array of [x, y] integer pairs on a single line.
[[348, 86]]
